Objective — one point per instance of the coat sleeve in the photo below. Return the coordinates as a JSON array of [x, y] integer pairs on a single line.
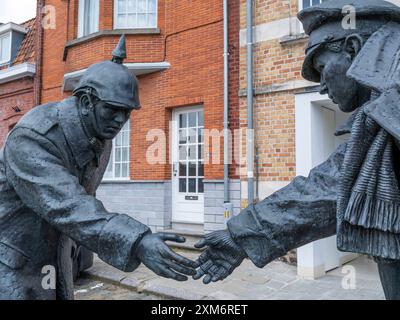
[[35, 170], [302, 212]]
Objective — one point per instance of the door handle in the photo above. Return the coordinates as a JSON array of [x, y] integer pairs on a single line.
[[175, 169]]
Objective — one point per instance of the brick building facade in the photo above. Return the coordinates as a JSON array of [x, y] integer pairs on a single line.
[[293, 123], [17, 73], [176, 50]]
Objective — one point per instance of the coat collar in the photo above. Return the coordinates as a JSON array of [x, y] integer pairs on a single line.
[[377, 67], [377, 64], [82, 150]]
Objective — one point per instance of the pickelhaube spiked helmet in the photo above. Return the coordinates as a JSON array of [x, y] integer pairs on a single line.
[[111, 81]]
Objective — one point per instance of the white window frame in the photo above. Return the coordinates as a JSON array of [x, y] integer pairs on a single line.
[[116, 26], [8, 57], [301, 4], [126, 128], [81, 18]]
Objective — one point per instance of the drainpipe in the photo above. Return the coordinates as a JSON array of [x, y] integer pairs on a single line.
[[250, 125], [228, 207], [38, 52]]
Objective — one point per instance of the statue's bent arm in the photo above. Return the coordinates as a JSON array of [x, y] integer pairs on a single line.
[[302, 212], [36, 171]]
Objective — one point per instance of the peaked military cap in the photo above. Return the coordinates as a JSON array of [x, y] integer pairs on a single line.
[[323, 23]]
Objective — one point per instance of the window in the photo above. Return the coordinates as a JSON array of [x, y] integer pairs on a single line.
[[118, 167], [88, 17], [135, 14], [5, 50], [309, 3], [191, 152]]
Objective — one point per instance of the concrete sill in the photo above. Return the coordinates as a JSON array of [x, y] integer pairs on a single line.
[[293, 38], [108, 33]]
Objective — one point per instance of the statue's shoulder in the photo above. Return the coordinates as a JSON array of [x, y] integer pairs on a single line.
[[43, 117]]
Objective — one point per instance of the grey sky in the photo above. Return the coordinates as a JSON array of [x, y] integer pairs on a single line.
[[17, 10]]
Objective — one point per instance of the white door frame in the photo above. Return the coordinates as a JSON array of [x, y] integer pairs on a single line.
[[198, 217], [311, 257]]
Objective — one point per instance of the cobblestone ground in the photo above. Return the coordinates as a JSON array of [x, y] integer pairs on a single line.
[[88, 289]]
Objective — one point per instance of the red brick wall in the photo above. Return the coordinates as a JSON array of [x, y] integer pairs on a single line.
[[234, 73], [191, 40], [19, 94]]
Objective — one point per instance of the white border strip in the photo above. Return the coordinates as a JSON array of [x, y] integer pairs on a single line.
[[12, 27], [17, 72], [71, 79]]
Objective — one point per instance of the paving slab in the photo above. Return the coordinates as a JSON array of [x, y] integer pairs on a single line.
[[276, 281]]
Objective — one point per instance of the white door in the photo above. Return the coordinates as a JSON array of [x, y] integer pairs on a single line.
[[188, 165]]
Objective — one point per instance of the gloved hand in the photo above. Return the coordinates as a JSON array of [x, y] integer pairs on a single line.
[[221, 257], [155, 254]]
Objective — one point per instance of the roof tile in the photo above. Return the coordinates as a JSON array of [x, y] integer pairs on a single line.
[[26, 52]]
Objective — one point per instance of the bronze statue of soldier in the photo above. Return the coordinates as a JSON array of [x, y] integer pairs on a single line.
[[356, 192], [50, 167]]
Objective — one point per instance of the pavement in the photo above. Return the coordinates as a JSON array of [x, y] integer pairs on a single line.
[[90, 289], [357, 280]]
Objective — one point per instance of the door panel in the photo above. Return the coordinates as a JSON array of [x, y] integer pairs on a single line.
[[188, 166]]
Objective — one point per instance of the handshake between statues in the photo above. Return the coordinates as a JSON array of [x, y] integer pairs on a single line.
[[220, 257]]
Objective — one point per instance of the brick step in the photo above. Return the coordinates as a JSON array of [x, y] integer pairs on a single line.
[[192, 237]]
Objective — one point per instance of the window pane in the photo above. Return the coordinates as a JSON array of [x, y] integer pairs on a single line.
[[121, 20], [152, 20], [192, 169], [118, 166], [125, 138], [132, 22], [118, 170], [141, 6], [200, 133], [182, 153], [93, 16], [201, 169], [125, 154], [306, 4], [182, 136], [4, 48], [182, 169], [192, 119], [182, 121], [201, 186], [118, 140], [125, 170], [192, 152], [141, 20], [152, 6], [201, 152], [182, 185], [118, 155], [121, 6], [201, 119], [192, 185], [192, 135], [132, 6]]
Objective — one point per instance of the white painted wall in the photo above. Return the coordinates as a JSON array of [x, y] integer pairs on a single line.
[[316, 120]]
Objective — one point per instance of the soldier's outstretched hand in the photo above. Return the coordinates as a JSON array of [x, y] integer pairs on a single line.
[[221, 257], [155, 254]]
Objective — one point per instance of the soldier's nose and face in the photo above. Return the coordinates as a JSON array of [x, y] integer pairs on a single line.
[[333, 67], [109, 120]]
